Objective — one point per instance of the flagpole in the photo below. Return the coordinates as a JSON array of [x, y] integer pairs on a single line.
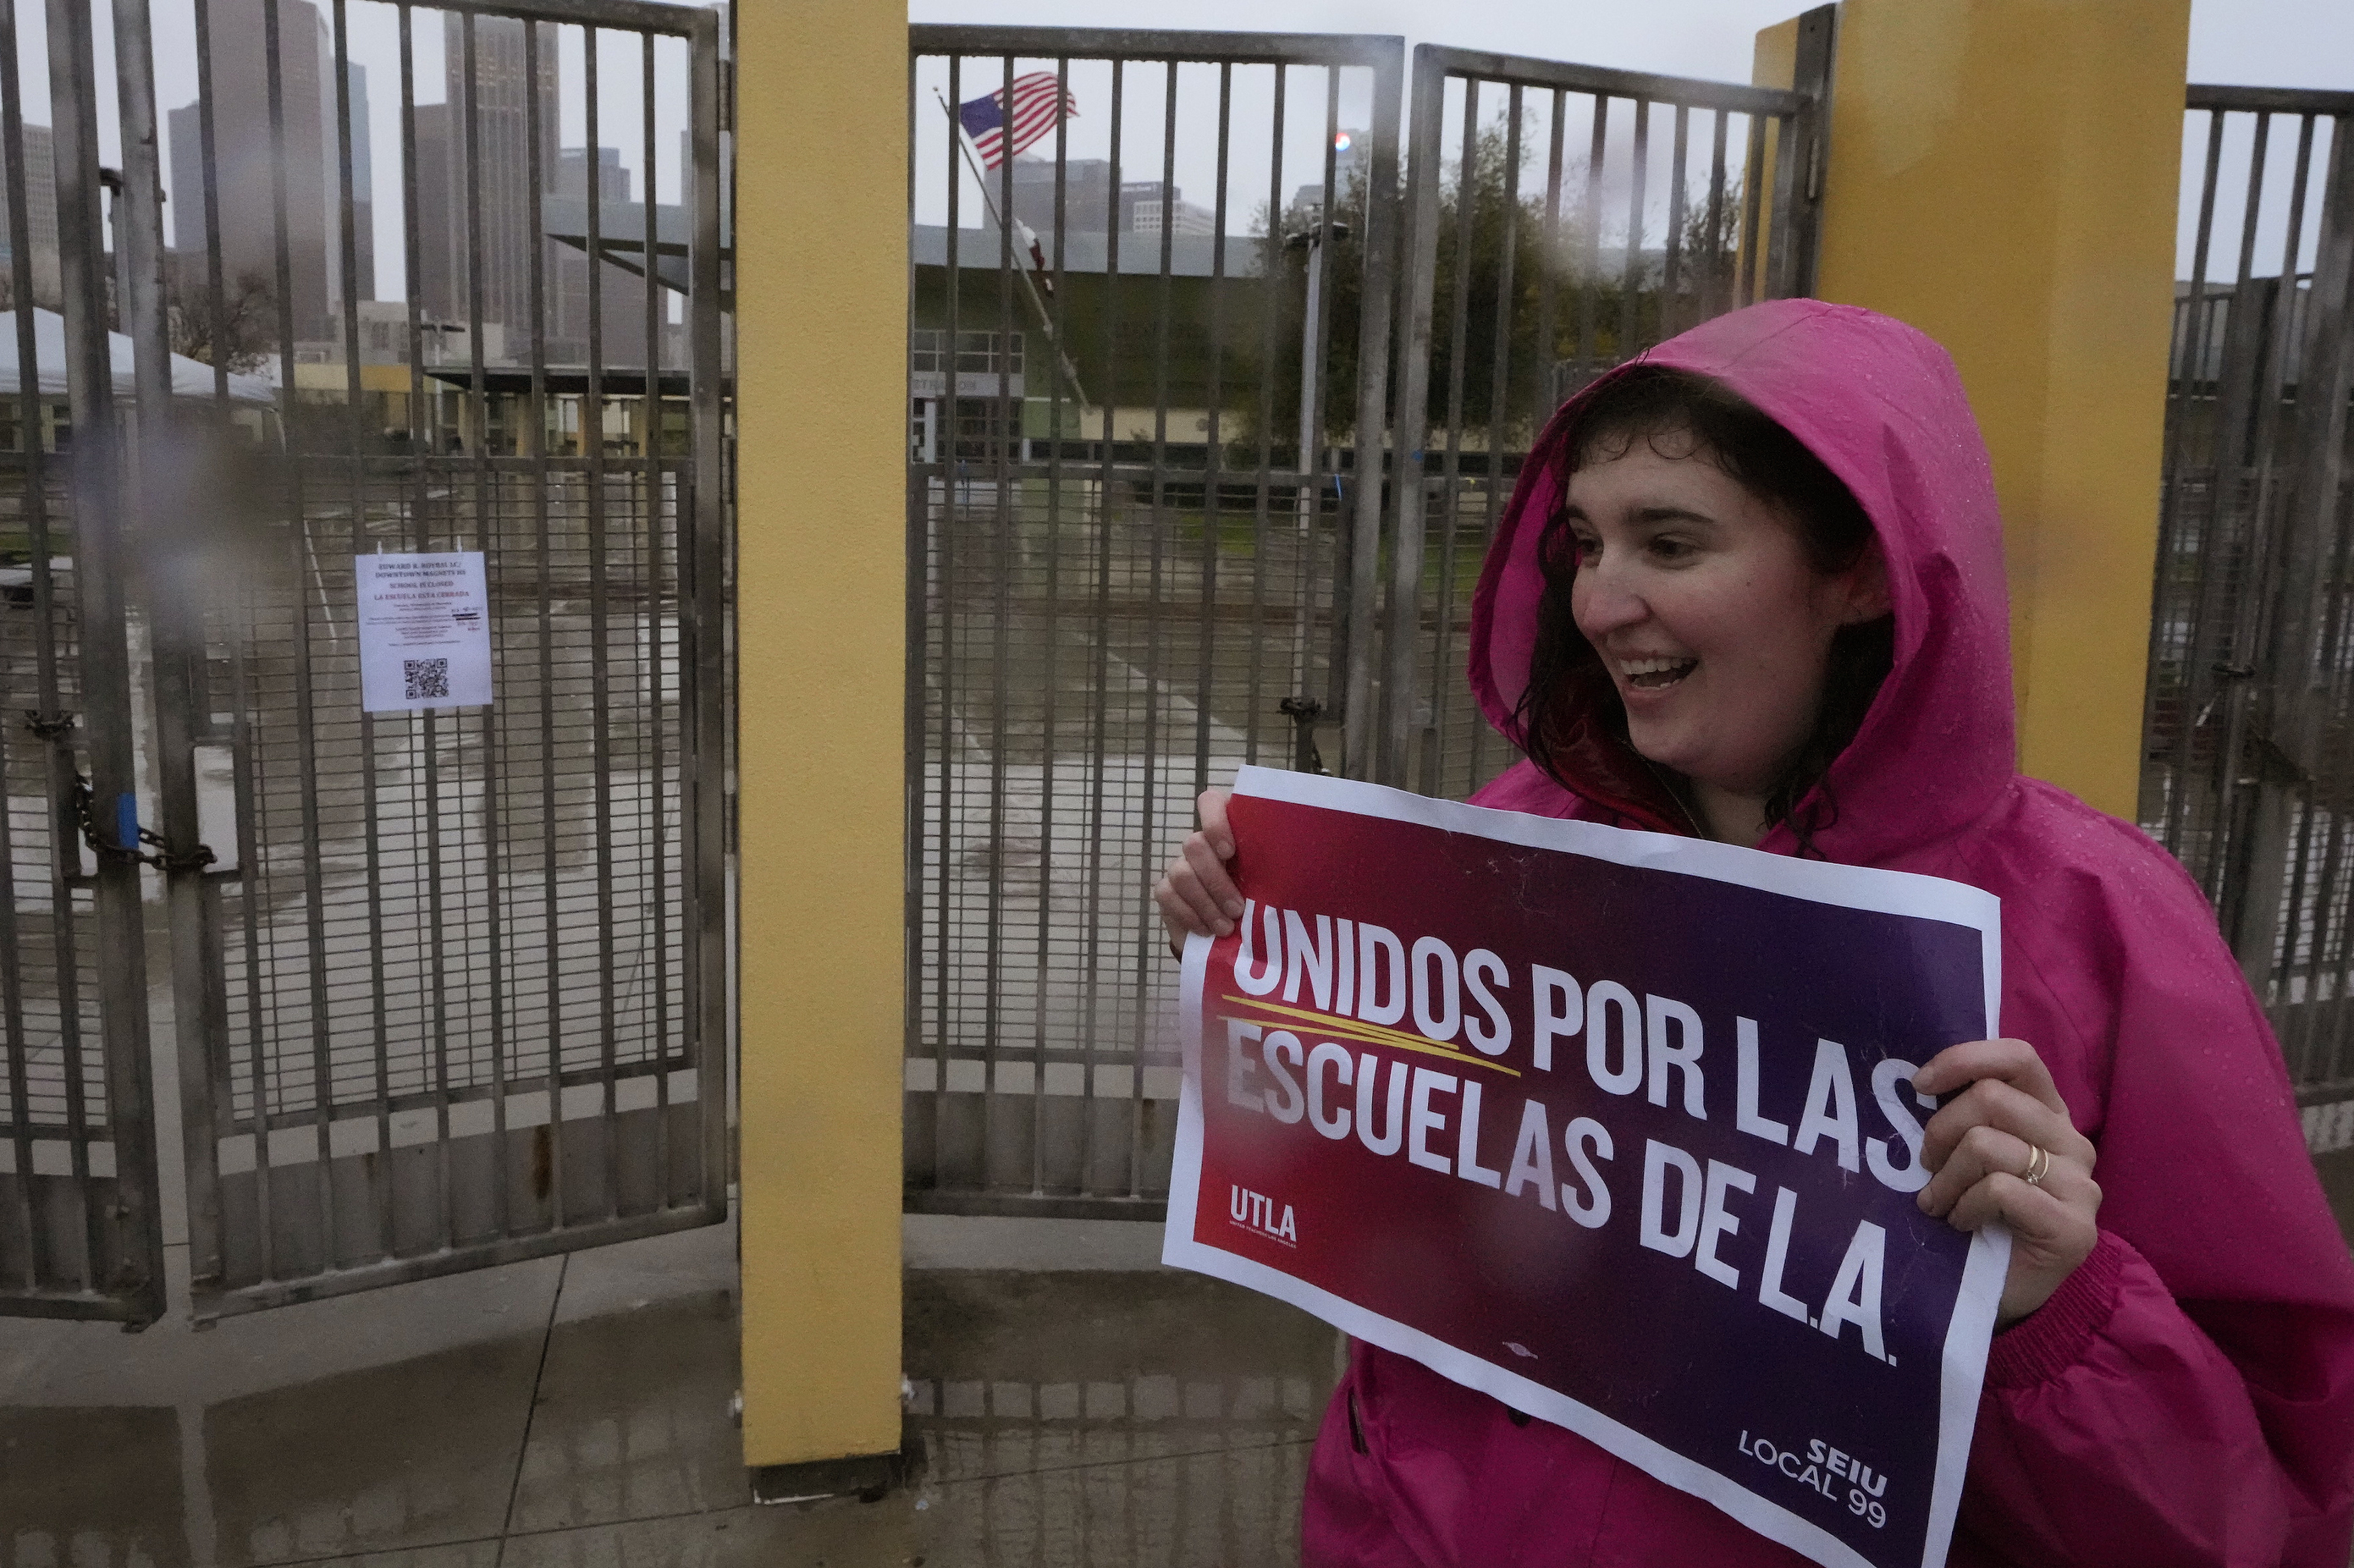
[[1029, 282]]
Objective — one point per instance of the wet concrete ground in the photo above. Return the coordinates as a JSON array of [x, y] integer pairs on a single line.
[[1072, 1403]]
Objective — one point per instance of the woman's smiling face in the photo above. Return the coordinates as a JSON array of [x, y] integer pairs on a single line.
[[1713, 622]]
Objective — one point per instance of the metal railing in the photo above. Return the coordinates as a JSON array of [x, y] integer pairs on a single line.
[[2248, 776]]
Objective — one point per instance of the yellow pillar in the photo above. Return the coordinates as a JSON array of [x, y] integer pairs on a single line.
[[2002, 174], [822, 367]]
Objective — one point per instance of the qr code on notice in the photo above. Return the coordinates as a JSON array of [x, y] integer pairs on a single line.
[[426, 678]]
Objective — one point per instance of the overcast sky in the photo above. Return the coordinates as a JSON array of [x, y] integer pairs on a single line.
[[374, 30], [2270, 43], [2295, 43]]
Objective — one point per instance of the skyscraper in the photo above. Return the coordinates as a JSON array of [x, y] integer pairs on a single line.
[[498, 194], [621, 310], [500, 207], [244, 159], [435, 284], [40, 217], [184, 130], [356, 102]]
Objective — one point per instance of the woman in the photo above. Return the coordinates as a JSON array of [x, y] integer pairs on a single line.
[[1752, 587]]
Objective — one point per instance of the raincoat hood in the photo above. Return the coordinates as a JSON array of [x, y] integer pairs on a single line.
[[1881, 406]]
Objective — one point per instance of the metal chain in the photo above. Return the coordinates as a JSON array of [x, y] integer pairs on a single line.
[[56, 726], [85, 802]]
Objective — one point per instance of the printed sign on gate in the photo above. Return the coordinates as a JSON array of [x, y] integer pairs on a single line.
[[1615, 1127], [424, 624]]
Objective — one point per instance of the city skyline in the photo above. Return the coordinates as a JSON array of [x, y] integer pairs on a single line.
[[509, 93], [2270, 42], [373, 35]]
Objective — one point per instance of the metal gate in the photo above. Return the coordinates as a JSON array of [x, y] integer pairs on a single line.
[[2248, 776], [446, 985], [1656, 203], [1156, 471], [1131, 504]]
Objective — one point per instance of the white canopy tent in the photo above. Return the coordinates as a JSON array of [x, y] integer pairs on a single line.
[[190, 377]]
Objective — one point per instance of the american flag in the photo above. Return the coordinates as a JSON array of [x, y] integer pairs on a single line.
[[1039, 102]]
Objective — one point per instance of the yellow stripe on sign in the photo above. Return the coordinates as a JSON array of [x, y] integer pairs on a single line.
[[1381, 1033], [1340, 1028]]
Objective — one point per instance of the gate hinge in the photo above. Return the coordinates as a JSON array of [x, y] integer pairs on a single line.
[[48, 726], [85, 807]]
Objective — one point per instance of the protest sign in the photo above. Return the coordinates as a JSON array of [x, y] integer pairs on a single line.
[[1615, 1127], [424, 630]]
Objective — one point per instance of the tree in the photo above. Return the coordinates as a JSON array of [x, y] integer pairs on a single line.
[[1710, 264], [1594, 321], [244, 334]]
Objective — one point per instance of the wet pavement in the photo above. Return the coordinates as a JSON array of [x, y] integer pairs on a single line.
[[1070, 1403]]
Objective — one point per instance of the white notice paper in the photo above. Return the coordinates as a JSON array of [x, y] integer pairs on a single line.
[[424, 632]]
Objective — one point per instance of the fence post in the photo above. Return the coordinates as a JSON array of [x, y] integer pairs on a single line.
[[1418, 263], [2291, 705], [102, 563], [1795, 236], [821, 367], [1359, 724], [2003, 176]]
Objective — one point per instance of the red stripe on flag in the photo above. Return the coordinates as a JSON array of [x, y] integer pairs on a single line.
[[1039, 103]]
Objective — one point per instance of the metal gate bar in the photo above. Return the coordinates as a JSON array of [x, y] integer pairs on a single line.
[[2249, 749], [1462, 438], [79, 1234], [1085, 649]]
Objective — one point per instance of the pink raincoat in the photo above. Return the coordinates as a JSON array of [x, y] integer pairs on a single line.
[[2188, 1394]]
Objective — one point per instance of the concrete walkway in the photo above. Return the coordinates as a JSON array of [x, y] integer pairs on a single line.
[[1073, 1403]]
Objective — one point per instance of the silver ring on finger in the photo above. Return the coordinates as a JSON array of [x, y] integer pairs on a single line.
[[2039, 1165]]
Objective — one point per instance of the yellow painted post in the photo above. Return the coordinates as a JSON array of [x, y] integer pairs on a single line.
[[2002, 174], [821, 402]]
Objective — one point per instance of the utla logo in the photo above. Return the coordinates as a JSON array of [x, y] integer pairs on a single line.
[[1255, 1212]]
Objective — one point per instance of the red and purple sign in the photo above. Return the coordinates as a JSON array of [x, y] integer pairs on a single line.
[[1615, 1127]]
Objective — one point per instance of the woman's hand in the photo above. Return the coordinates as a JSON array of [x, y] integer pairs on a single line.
[[1981, 1147], [1195, 894]]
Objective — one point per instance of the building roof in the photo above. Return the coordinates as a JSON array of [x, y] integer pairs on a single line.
[[190, 377], [621, 240], [1190, 255], [619, 384]]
